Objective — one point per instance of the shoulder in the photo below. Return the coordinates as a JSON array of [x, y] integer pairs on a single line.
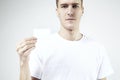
[[92, 41], [95, 45]]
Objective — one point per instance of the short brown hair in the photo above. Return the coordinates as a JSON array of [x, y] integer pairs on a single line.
[[58, 0]]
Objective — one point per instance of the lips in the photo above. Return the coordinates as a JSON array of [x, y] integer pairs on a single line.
[[70, 19]]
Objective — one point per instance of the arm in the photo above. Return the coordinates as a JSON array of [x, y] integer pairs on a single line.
[[24, 49], [25, 73], [103, 79]]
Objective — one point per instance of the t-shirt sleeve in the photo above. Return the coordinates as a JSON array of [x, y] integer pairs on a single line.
[[35, 63], [105, 68]]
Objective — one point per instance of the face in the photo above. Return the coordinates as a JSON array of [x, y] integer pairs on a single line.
[[69, 13]]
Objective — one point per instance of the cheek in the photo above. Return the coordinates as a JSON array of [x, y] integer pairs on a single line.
[[62, 16], [62, 12], [79, 14]]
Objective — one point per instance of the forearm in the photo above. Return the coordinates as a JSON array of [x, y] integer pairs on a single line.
[[23, 49], [103, 79], [24, 72]]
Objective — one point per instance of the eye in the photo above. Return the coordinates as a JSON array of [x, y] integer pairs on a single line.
[[64, 6], [75, 6]]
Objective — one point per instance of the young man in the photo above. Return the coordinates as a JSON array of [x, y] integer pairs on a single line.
[[67, 55]]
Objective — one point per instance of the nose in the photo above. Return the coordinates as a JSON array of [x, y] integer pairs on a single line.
[[70, 11]]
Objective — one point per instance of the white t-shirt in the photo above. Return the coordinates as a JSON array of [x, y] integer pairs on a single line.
[[55, 58]]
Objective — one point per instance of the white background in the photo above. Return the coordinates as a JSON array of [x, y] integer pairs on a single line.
[[18, 18]]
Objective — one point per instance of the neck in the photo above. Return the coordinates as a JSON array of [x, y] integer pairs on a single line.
[[72, 35]]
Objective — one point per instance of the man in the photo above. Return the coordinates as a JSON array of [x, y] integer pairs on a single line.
[[67, 55]]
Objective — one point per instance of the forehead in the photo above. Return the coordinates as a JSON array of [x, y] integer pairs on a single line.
[[69, 1]]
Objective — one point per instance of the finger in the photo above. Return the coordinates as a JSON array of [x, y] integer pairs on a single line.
[[21, 51], [21, 45], [31, 38], [25, 48], [26, 53], [27, 39], [28, 43]]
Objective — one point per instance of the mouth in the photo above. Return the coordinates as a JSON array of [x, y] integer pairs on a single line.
[[70, 19]]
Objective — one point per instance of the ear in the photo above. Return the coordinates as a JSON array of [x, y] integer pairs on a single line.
[[57, 12], [82, 10]]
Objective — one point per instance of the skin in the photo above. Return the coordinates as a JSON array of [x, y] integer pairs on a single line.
[[24, 48], [69, 13]]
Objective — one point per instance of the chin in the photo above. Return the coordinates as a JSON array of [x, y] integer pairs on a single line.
[[70, 27]]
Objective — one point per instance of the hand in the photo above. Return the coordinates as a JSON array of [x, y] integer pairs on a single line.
[[25, 47]]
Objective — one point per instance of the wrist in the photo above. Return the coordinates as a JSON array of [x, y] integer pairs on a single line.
[[24, 61]]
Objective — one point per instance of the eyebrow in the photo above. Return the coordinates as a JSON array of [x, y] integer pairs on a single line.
[[71, 3]]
